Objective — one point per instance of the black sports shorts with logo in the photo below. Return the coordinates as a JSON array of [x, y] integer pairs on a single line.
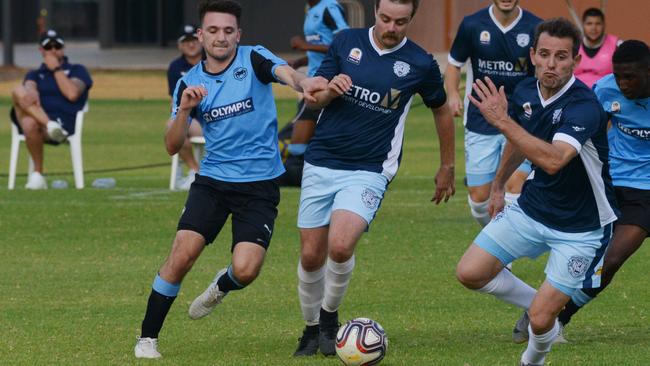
[[635, 207], [253, 206]]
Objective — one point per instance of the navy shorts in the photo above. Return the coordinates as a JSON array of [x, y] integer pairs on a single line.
[[635, 207], [68, 122], [253, 206]]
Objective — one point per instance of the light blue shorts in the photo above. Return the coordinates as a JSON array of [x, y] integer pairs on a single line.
[[482, 157], [575, 260], [325, 190]]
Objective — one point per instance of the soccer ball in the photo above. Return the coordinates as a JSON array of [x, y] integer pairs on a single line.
[[361, 342]]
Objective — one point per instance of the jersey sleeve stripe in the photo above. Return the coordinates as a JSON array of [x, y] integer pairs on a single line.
[[569, 140], [455, 62]]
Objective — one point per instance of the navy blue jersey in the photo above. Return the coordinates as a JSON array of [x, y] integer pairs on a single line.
[[238, 116], [364, 128], [629, 137], [494, 51], [177, 69], [580, 197], [52, 100], [322, 22]]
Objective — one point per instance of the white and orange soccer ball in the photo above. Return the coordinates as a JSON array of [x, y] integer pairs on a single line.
[[361, 342]]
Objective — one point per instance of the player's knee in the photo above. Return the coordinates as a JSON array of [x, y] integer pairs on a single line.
[[18, 92], [541, 320], [245, 273], [479, 195], [312, 258], [340, 252], [469, 277]]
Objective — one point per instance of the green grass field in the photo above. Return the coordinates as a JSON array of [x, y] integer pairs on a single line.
[[77, 267]]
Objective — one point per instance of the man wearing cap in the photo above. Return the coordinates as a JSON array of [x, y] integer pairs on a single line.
[[191, 54], [45, 105]]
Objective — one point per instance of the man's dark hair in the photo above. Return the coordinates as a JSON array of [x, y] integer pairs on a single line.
[[415, 4], [632, 51], [593, 12], [559, 28], [220, 6]]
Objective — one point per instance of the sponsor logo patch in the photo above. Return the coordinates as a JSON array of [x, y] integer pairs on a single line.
[[485, 37], [355, 56], [229, 110], [557, 114], [528, 110]]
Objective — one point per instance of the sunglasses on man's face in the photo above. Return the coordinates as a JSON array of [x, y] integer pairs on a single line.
[[49, 46]]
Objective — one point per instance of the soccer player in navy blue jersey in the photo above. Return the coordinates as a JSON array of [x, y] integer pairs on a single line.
[[323, 20], [567, 208], [496, 42], [625, 95], [230, 94], [373, 76], [191, 54]]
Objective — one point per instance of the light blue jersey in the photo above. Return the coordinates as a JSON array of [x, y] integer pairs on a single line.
[[238, 116], [322, 22], [629, 137]]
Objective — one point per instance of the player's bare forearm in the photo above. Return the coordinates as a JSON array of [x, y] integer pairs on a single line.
[[446, 134], [452, 79], [511, 159], [322, 99], [176, 134], [72, 89], [290, 77]]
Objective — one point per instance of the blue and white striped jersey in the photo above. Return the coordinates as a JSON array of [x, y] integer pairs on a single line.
[[629, 137], [494, 51], [238, 116], [322, 22], [580, 197], [364, 128]]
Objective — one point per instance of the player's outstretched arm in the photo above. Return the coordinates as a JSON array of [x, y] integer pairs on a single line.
[[321, 97], [493, 105], [445, 178], [510, 160], [175, 136], [452, 82]]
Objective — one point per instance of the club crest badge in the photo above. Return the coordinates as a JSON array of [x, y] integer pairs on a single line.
[[485, 37], [401, 68], [557, 114], [528, 110], [577, 266], [355, 56], [370, 199], [523, 39]]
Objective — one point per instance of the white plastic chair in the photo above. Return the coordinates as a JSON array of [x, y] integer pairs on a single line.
[[75, 152], [198, 143]]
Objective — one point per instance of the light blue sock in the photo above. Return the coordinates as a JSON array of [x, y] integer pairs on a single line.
[[580, 298], [165, 288]]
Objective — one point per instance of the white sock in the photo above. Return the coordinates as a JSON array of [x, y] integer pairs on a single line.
[[311, 289], [511, 198], [479, 211], [337, 278], [539, 345], [509, 288]]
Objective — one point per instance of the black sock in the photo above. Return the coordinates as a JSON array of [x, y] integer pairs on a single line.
[[311, 329], [157, 309], [227, 283], [571, 307], [328, 318]]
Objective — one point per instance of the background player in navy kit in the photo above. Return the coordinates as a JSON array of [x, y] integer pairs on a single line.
[[496, 41], [625, 95], [356, 151], [45, 105], [231, 95], [191, 54], [567, 208], [323, 21]]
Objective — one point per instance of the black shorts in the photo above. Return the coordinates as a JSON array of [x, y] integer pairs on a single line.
[[253, 206], [635, 207], [68, 123], [305, 113]]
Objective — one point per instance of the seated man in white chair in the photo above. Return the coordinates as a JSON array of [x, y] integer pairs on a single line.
[[46, 103]]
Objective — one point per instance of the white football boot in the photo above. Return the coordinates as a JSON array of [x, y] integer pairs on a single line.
[[211, 297], [147, 348], [36, 181], [55, 131]]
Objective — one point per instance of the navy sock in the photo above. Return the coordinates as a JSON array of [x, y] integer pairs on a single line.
[[228, 282]]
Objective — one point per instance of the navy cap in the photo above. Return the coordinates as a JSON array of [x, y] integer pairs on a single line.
[[50, 36], [189, 31]]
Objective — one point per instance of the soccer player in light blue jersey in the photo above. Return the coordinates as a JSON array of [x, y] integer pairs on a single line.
[[323, 21], [230, 94], [373, 76], [568, 206], [496, 42], [625, 95]]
